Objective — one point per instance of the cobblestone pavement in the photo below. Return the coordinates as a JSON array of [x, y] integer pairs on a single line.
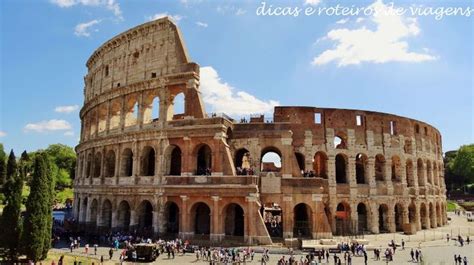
[[436, 250]]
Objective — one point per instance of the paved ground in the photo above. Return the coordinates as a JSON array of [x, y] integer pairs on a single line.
[[432, 243]]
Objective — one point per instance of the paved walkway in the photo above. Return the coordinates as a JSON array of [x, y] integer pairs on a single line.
[[435, 249]]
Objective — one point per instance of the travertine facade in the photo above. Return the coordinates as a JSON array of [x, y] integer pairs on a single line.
[[141, 166]]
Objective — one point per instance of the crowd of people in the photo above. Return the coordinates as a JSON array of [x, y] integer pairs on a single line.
[[273, 223], [245, 171]]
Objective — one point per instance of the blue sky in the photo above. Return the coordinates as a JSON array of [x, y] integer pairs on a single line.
[[414, 66]]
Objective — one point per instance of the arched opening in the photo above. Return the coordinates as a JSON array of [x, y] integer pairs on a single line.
[[383, 218], [242, 161], [432, 215], [175, 161], [127, 162], [362, 218], [343, 223], [148, 161], [341, 166], [409, 173], [155, 109], [204, 160], [106, 218], [271, 160], [202, 219], [178, 106], [97, 164], [131, 110], [300, 161], [396, 169], [423, 216], [172, 218], [110, 164], [123, 216], [234, 220], [412, 213], [361, 169], [438, 214], [420, 172], [145, 216], [302, 221], [89, 165], [93, 213], [272, 215], [115, 113], [429, 175], [379, 168], [320, 165], [339, 142], [84, 209], [398, 217]]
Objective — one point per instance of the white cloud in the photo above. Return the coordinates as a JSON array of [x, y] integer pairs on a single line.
[[66, 109], [174, 18], [51, 125], [83, 29], [111, 5], [312, 2], [342, 21], [201, 24], [69, 133], [3, 134], [222, 97], [384, 44]]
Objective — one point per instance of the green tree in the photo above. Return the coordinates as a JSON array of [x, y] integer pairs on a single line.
[[38, 207], [463, 164], [49, 207], [11, 217]]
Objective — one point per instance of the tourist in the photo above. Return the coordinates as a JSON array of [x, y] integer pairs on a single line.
[[403, 244], [465, 260], [95, 249], [412, 254], [101, 259], [86, 248], [111, 252]]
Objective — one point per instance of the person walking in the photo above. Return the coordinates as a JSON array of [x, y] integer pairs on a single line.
[[111, 252], [403, 244], [95, 249], [412, 254]]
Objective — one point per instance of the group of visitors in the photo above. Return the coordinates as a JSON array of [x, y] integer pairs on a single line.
[[459, 260], [309, 174], [204, 171], [245, 171]]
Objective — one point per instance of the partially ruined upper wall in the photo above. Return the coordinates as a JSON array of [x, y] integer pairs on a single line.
[[151, 50]]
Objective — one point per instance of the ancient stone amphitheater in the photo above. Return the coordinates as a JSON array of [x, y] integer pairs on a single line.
[[307, 172]]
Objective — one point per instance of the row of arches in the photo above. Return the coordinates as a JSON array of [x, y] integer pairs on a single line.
[[143, 218], [126, 112]]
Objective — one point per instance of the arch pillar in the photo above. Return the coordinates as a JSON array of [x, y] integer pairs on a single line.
[[185, 230], [374, 213], [288, 221], [216, 234], [391, 218], [350, 172]]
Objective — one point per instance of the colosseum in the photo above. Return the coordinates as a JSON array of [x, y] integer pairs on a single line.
[[307, 172]]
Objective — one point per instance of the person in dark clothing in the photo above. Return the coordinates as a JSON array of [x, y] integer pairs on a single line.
[[111, 253]]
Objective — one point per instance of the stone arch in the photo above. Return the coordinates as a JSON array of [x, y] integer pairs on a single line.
[[127, 163], [396, 169], [97, 164], [383, 218], [300, 160], [178, 107], [151, 111], [110, 163], [234, 220], [342, 219], [269, 159], [340, 142], [201, 218], [320, 165], [172, 217], [93, 212], [145, 216], [409, 173], [173, 160], [115, 113], [148, 161], [84, 209], [242, 161], [106, 214], [398, 216], [429, 172], [420, 169], [89, 165], [424, 216], [361, 169], [131, 110], [302, 221], [379, 167], [123, 215], [204, 159], [362, 218], [341, 168]]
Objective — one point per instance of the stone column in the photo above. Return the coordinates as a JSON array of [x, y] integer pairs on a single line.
[[216, 234], [354, 218], [216, 169], [287, 155], [331, 169], [184, 228], [287, 216], [249, 227], [114, 219], [374, 213], [133, 218], [371, 175], [141, 108], [123, 113], [107, 121], [417, 217], [157, 223], [392, 228]]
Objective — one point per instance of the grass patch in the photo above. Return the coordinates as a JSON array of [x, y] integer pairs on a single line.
[[451, 206], [69, 259]]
